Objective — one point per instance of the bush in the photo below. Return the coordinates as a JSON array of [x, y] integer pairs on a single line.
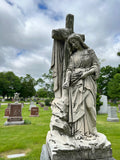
[[26, 121], [48, 102]]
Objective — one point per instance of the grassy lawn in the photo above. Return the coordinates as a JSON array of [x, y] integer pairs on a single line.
[[30, 138]]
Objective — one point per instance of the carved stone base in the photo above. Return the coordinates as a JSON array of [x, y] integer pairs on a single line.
[[14, 123], [66, 155], [113, 119], [67, 148]]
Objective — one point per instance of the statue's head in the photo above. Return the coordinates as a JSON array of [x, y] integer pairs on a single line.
[[76, 41]]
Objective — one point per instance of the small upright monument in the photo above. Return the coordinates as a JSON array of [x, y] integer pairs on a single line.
[[15, 112], [73, 134]]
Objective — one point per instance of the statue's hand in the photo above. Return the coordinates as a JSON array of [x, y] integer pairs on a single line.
[[66, 85], [84, 75]]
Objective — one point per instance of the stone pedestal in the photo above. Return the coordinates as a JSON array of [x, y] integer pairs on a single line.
[[15, 116], [67, 148], [112, 114]]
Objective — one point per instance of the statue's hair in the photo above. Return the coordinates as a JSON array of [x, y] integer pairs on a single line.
[[77, 37]]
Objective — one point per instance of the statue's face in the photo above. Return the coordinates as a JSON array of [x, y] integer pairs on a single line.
[[75, 43]]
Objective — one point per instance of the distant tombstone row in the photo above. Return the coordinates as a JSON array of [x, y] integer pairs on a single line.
[[14, 114]]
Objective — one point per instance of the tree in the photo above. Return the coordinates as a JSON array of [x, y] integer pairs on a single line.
[[9, 84], [118, 53], [106, 74], [42, 93], [46, 82], [114, 87], [28, 86]]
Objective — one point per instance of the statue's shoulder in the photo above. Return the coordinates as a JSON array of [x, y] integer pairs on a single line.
[[90, 51]]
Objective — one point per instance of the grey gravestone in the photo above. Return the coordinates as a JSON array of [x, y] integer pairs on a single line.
[[9, 104], [15, 116], [119, 108], [104, 107], [32, 104], [22, 105], [45, 108], [3, 100], [0, 105], [112, 114]]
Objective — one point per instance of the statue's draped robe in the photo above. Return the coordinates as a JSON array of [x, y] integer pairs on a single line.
[[82, 92], [57, 66]]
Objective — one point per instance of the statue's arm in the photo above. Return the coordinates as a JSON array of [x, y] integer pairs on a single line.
[[68, 74], [95, 68]]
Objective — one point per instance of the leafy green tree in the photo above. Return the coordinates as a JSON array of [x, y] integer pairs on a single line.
[[106, 74], [9, 84], [42, 93], [118, 53], [28, 86], [46, 83], [114, 87]]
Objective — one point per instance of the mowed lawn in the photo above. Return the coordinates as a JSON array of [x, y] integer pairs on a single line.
[[30, 138]]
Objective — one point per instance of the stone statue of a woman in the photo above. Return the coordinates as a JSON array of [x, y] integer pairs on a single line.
[[82, 72], [73, 134]]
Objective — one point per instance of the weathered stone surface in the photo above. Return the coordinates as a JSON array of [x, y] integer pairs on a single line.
[[44, 153], [64, 147], [112, 114], [73, 134]]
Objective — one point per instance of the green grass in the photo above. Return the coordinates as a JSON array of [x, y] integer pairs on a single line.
[[24, 138], [29, 138]]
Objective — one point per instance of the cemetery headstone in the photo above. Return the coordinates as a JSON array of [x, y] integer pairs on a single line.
[[3, 100], [9, 104], [119, 108], [34, 112], [15, 115], [45, 108], [112, 114], [0, 105], [32, 104], [22, 105], [104, 107], [7, 112]]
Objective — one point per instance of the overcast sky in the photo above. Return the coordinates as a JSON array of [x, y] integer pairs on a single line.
[[26, 25]]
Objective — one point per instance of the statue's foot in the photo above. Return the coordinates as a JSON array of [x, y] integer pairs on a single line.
[[94, 132]]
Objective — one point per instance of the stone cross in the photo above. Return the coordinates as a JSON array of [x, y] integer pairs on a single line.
[[59, 59]]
